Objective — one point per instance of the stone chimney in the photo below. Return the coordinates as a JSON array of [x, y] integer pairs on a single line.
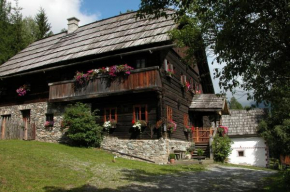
[[72, 25]]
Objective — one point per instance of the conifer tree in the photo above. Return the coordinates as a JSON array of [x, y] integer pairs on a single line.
[[43, 25]]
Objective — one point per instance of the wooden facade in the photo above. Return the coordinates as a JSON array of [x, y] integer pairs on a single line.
[[149, 87]]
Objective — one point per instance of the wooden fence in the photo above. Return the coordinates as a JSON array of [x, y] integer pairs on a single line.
[[13, 129]]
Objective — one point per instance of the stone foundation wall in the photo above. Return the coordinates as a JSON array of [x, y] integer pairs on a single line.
[[38, 113], [153, 150]]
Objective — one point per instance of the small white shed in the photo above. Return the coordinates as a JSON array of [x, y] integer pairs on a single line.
[[247, 148]]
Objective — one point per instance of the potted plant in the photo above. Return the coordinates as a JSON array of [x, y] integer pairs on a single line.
[[191, 148], [138, 125], [22, 90], [48, 123], [172, 158], [169, 73], [171, 126], [200, 153], [110, 124]]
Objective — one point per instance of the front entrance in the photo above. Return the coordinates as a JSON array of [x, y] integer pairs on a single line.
[[201, 134]]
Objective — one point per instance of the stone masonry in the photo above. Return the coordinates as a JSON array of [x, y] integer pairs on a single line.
[[153, 150], [38, 113]]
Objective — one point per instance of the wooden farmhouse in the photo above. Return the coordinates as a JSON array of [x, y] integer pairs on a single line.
[[40, 81]]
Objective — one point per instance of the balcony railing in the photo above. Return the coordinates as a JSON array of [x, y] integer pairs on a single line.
[[147, 79]]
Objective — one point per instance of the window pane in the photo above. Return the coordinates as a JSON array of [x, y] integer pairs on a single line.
[[107, 114], [113, 112], [143, 112], [137, 113]]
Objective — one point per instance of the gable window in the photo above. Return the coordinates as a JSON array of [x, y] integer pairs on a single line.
[[140, 113], [241, 153], [140, 63], [169, 113], [110, 114]]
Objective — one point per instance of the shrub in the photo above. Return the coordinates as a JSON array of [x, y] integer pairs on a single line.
[[83, 130], [171, 156], [221, 147], [286, 178], [200, 152], [191, 148]]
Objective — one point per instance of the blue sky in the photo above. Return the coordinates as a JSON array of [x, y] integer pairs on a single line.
[[108, 8], [89, 11]]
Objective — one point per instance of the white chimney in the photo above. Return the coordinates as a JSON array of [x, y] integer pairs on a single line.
[[72, 25]]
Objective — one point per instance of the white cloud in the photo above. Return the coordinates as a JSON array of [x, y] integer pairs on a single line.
[[57, 11]]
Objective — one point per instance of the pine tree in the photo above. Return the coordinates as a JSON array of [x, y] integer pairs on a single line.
[[43, 25]]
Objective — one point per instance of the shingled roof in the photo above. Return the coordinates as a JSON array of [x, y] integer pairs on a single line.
[[209, 102], [111, 34], [243, 122]]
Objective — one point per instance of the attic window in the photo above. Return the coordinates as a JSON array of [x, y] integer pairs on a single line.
[[140, 63], [241, 153]]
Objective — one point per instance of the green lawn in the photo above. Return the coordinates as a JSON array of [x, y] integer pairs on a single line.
[[37, 166]]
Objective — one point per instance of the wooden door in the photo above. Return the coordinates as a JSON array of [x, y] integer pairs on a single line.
[[4, 119], [26, 121]]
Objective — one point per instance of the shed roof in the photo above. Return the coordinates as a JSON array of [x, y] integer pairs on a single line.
[[116, 33], [209, 102], [243, 122]]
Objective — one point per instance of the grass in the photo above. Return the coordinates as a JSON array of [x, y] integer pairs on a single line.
[[37, 166], [244, 166]]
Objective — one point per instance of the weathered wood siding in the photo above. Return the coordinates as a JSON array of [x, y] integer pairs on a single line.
[[147, 78], [124, 105], [174, 95]]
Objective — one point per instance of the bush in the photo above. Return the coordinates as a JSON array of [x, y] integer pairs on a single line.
[[171, 156], [286, 178], [83, 130], [200, 152], [221, 147]]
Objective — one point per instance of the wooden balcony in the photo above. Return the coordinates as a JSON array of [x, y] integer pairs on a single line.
[[140, 80]]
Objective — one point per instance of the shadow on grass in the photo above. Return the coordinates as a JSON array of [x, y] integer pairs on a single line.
[[219, 179]]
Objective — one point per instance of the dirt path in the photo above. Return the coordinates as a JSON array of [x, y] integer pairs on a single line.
[[216, 178]]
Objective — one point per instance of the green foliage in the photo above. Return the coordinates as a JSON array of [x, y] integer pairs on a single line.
[[191, 148], [43, 25], [221, 147], [83, 130], [200, 152], [252, 38], [171, 156], [286, 178], [234, 104], [16, 33]]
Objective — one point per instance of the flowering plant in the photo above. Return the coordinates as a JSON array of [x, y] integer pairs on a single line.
[[171, 126], [186, 85], [139, 124], [170, 72], [21, 91], [223, 130], [112, 71], [110, 124], [48, 123], [198, 92]]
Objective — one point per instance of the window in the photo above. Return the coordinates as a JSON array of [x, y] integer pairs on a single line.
[[140, 63], [140, 113], [241, 153], [110, 114], [185, 120], [26, 115], [48, 117], [169, 113], [183, 79], [168, 66]]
